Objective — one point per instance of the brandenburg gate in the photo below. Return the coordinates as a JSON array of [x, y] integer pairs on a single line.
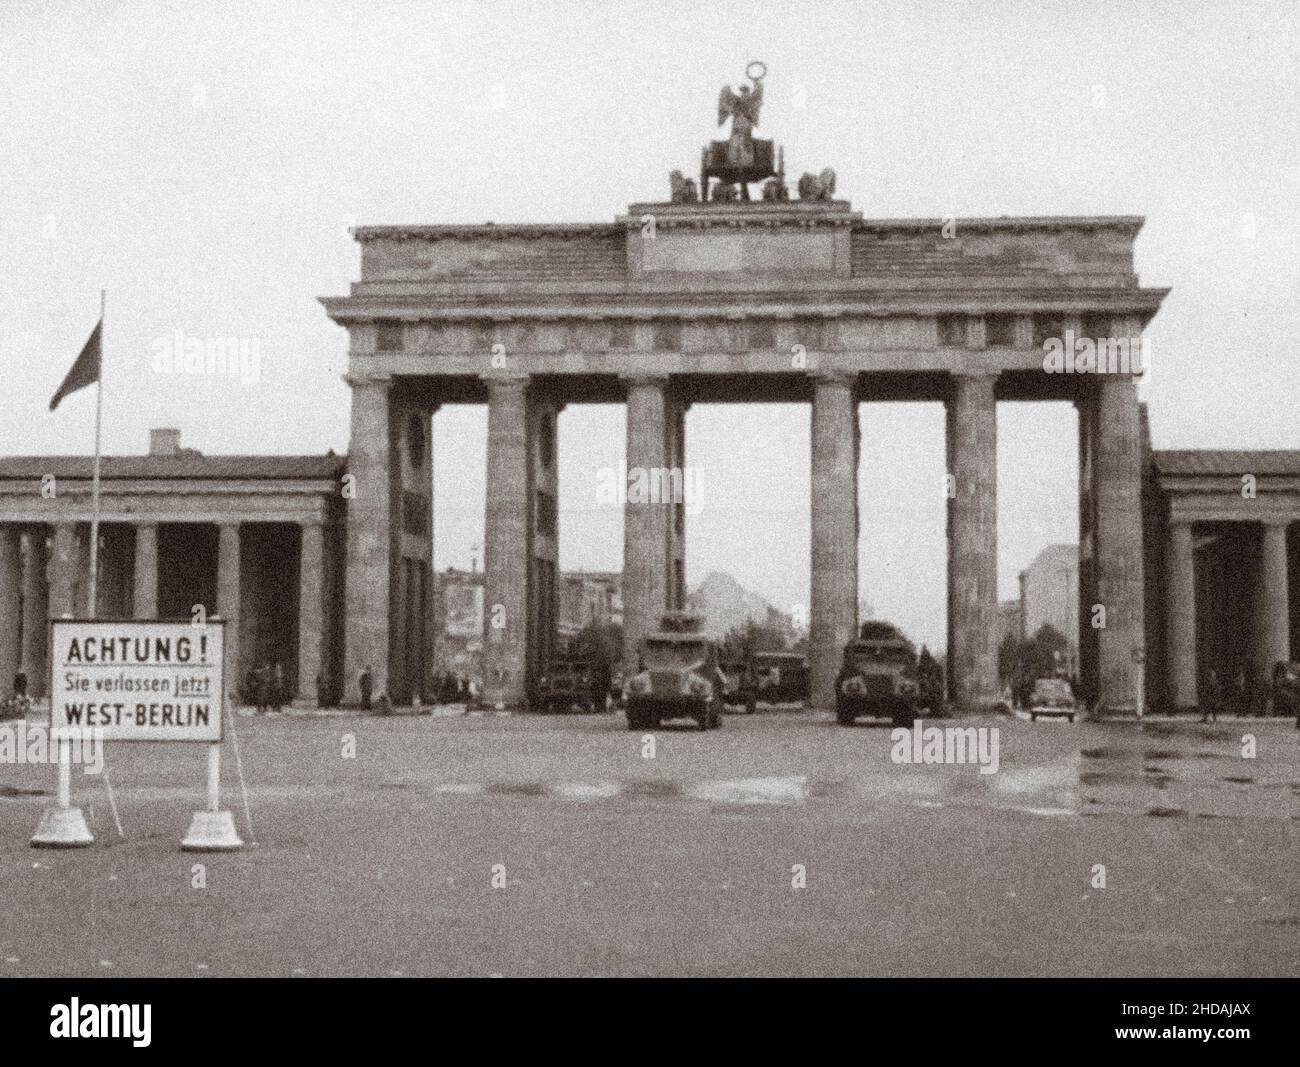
[[714, 297], [804, 301]]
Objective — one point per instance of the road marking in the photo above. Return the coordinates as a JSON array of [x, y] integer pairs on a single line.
[[584, 790], [752, 790]]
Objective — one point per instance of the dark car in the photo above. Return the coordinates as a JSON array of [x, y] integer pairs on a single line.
[[767, 678], [878, 677], [679, 677], [569, 682], [1051, 696]]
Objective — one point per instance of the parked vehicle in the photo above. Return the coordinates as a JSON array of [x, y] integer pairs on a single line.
[[878, 677], [1286, 689], [678, 677], [1051, 696], [766, 678], [570, 682]]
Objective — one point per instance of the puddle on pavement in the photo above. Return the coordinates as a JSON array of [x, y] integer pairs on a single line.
[[1237, 779], [1105, 778], [13, 791], [652, 789], [1166, 813], [1161, 753], [1101, 753], [516, 789]]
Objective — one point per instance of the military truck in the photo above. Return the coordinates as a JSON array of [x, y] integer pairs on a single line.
[[569, 681], [677, 677], [767, 678], [878, 677]]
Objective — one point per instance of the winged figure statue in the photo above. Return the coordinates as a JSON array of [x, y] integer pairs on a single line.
[[742, 107]]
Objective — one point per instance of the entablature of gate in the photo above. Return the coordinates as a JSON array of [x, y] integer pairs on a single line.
[[689, 247], [715, 289]]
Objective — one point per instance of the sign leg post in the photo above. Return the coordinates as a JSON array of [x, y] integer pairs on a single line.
[[63, 826], [212, 830]]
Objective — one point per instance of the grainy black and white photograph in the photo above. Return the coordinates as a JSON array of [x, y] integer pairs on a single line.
[[680, 491]]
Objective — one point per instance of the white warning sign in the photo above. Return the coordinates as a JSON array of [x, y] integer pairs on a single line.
[[138, 681]]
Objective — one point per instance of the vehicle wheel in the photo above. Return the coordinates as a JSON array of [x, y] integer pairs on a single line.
[[1071, 718], [844, 718], [751, 706], [715, 717], [1033, 716]]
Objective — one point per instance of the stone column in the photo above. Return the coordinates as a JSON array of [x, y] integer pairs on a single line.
[[1117, 544], [35, 611], [543, 531], [833, 608], [1274, 610], [144, 588], [1180, 604], [368, 577], [972, 542], [645, 521], [313, 629], [675, 416], [505, 547], [11, 577], [228, 585], [63, 567]]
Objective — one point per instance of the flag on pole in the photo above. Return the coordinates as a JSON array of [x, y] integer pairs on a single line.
[[85, 371]]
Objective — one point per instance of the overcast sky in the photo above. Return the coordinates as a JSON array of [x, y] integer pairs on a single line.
[[204, 161]]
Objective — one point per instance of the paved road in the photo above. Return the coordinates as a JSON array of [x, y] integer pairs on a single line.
[[618, 864]]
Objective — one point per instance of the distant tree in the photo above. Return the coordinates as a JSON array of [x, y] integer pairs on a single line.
[[929, 673], [1008, 655], [743, 641], [602, 642], [1036, 658]]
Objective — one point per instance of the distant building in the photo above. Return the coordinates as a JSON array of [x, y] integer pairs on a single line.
[[458, 640], [1049, 594], [588, 597], [585, 597], [1010, 621]]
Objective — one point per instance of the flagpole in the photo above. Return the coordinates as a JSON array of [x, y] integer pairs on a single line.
[[94, 483]]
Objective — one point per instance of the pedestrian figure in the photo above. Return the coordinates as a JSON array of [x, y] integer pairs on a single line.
[[262, 688], [1213, 694], [1239, 706], [366, 683], [278, 686]]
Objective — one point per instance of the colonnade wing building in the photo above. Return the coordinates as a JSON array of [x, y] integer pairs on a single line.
[[326, 564], [255, 539], [682, 302]]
